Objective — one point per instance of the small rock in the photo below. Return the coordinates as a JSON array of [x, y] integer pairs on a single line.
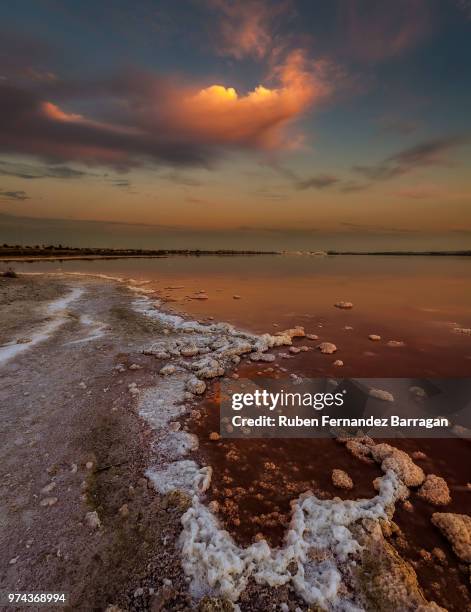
[[82, 385], [341, 479], [344, 305], [135, 366], [93, 520], [196, 386], [49, 487], [395, 343], [14, 560], [89, 465], [236, 297], [214, 435], [124, 511], [312, 337], [338, 363], [294, 350], [168, 369], [374, 337], [435, 491], [327, 348], [48, 501]]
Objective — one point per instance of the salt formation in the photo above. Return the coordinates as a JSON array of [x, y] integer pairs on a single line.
[[320, 542]]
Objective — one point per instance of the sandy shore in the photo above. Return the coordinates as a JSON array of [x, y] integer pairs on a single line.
[[94, 498]]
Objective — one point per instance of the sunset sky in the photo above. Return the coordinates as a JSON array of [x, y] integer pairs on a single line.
[[236, 124]]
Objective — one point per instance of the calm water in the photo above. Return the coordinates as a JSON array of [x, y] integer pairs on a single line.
[[417, 300]]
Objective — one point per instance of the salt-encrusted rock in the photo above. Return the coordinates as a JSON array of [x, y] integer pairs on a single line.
[[338, 363], [293, 332], [168, 369], [374, 337], [435, 491], [200, 296], [236, 297], [208, 368], [359, 450], [294, 350], [341, 479], [135, 366], [189, 351], [327, 348], [387, 581], [457, 529], [312, 337], [392, 458], [395, 343], [344, 305], [348, 328], [93, 520], [214, 436], [267, 357], [195, 385], [385, 396], [403, 491]]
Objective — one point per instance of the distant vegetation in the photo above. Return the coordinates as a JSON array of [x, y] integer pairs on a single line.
[[58, 251]]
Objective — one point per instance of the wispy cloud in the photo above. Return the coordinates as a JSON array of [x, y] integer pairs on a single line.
[[30, 171], [247, 28], [15, 196], [320, 181], [426, 154]]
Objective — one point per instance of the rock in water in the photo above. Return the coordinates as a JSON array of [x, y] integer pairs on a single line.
[[327, 348]]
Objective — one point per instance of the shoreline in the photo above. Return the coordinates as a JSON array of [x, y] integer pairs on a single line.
[[173, 344]]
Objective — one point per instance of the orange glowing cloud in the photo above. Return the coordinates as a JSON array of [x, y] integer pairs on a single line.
[[161, 121], [219, 114], [52, 111]]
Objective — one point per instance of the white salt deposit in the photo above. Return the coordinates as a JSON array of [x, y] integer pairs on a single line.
[[56, 317], [216, 564]]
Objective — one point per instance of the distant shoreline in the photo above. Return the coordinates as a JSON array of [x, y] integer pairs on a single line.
[[30, 254]]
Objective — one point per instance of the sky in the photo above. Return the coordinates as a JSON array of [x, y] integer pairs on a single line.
[[291, 124]]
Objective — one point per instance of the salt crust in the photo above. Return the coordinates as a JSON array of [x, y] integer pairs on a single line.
[[216, 564]]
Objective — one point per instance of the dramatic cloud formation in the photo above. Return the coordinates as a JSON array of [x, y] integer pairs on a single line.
[[430, 153], [157, 120], [374, 33], [13, 195]]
